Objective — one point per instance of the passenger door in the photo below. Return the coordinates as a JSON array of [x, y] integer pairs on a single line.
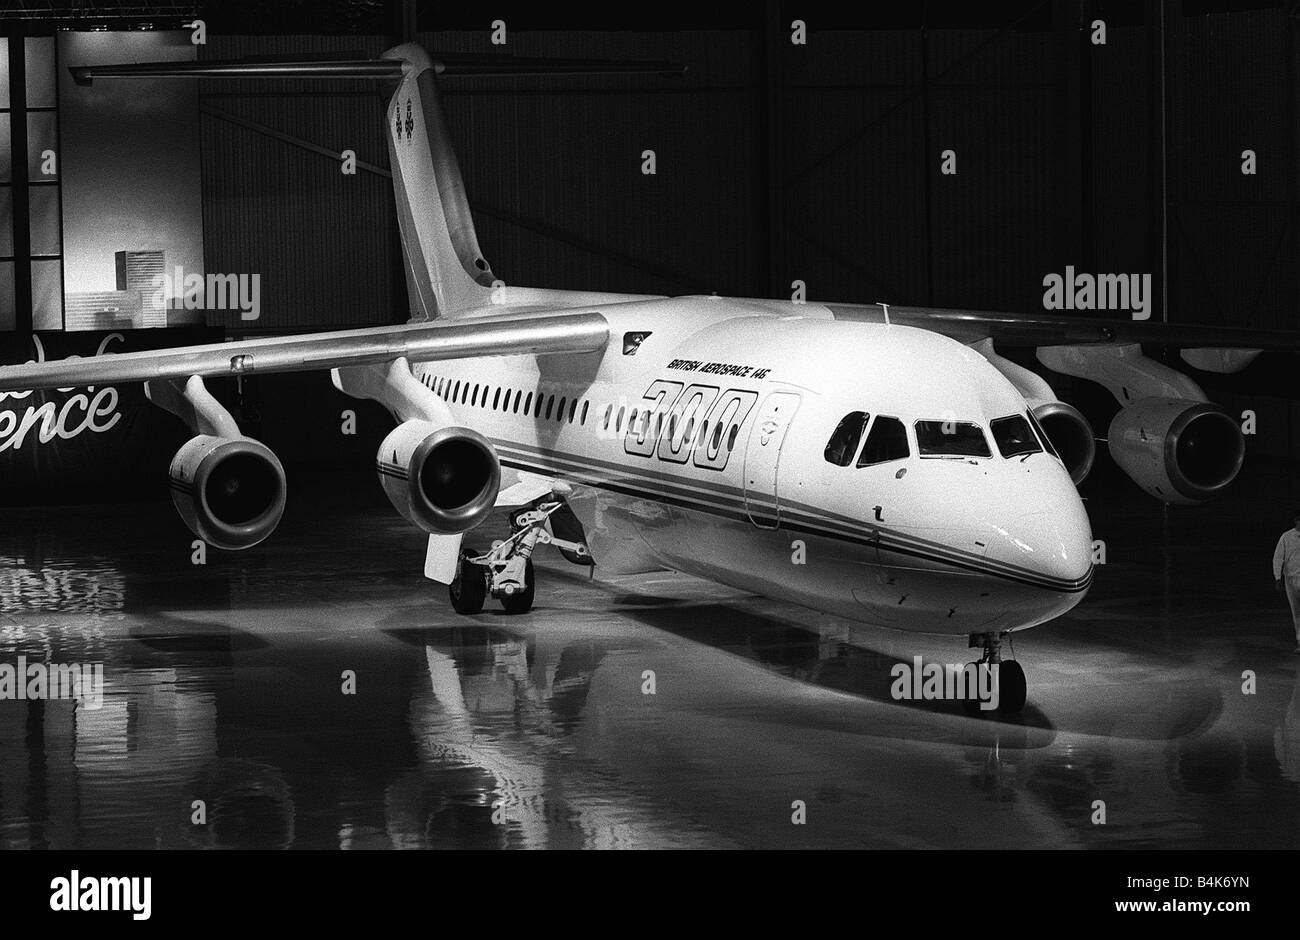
[[763, 458]]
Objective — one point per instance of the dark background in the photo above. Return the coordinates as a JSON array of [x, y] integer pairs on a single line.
[[776, 162]]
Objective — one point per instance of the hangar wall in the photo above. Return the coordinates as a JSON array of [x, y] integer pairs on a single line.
[[325, 244], [1053, 168]]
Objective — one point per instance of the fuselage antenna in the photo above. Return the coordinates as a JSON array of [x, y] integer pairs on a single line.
[[884, 307]]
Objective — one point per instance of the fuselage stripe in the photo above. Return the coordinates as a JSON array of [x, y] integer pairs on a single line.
[[884, 540]]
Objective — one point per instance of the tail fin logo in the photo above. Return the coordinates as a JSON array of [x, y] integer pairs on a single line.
[[410, 121]]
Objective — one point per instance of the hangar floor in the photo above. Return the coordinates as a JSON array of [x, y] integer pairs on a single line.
[[223, 684]]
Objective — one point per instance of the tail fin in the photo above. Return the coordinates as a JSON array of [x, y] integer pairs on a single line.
[[445, 268]]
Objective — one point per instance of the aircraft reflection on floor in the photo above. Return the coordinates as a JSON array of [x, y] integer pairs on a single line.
[[223, 687]]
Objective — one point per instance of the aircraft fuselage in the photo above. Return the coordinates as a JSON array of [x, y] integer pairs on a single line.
[[698, 441]]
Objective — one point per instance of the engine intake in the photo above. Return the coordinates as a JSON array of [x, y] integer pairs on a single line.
[[1070, 435], [1178, 451], [444, 480], [230, 491]]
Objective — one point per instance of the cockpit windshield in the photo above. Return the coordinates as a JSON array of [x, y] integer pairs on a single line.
[[1014, 436], [846, 437], [945, 438]]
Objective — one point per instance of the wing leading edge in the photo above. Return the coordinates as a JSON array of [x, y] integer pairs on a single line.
[[423, 342], [1046, 329]]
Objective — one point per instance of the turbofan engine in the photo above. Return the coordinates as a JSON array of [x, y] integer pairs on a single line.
[[229, 491], [442, 479], [1178, 451], [1070, 435]]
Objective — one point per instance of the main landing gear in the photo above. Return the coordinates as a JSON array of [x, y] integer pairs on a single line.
[[1011, 686], [506, 570]]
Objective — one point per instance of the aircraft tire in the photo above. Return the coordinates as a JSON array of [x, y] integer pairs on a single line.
[[972, 705], [1011, 687], [468, 591], [522, 602]]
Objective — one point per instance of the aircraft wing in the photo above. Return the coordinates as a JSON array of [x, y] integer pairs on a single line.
[[418, 342], [1051, 329]]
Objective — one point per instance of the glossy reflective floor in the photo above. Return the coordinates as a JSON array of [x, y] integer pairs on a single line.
[[223, 684]]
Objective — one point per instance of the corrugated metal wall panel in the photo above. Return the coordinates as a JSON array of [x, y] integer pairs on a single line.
[[855, 206], [557, 163], [1120, 177], [989, 233], [1229, 259], [324, 243]]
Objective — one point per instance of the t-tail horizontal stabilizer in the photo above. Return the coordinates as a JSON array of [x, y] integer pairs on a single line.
[[478, 66]]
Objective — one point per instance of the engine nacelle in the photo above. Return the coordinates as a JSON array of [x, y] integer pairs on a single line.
[[229, 491], [1177, 450], [442, 479], [1070, 435]]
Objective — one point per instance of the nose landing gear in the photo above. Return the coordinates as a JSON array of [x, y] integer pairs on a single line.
[[506, 570], [1011, 685]]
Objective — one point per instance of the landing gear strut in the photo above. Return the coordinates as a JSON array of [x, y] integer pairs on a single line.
[[506, 570], [1011, 684]]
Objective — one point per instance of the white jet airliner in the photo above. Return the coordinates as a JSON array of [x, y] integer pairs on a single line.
[[881, 465]]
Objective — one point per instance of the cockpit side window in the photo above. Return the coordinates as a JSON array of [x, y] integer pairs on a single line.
[[951, 439], [845, 439], [1014, 436], [887, 440], [1042, 436]]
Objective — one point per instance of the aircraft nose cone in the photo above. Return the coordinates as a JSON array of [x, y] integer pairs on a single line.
[[1054, 546]]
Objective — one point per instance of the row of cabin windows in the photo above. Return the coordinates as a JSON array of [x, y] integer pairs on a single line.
[[1014, 435], [509, 400], [543, 406], [688, 432]]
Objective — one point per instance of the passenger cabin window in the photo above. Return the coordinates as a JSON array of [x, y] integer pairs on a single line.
[[1014, 436], [951, 439], [887, 440], [845, 438]]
